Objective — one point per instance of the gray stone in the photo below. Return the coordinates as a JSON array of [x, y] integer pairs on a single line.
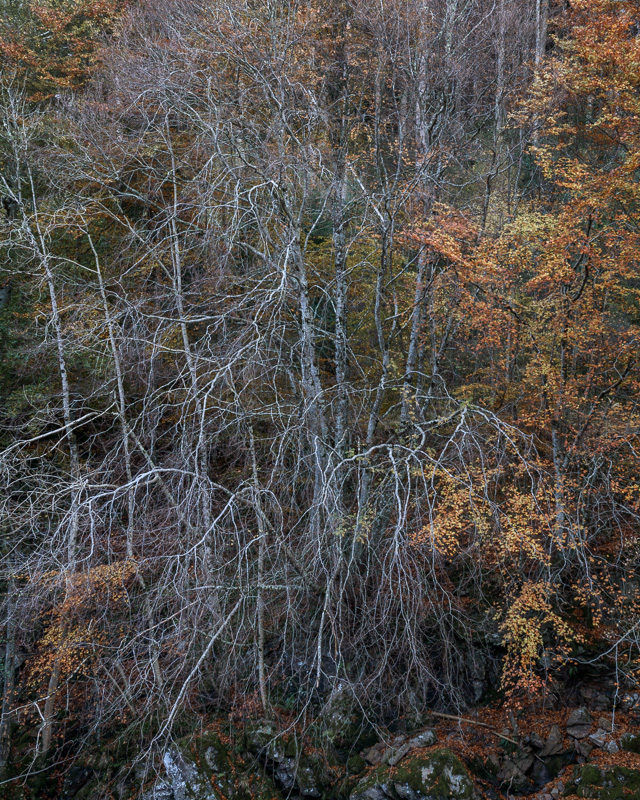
[[159, 791], [608, 783], [342, 718], [579, 723], [599, 738], [523, 759], [405, 792], [185, 780], [493, 763], [374, 754], [374, 793], [212, 759], [536, 741], [584, 748], [425, 739], [630, 701], [512, 777], [553, 745], [394, 755]]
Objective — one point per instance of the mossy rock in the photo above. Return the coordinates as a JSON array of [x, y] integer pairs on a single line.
[[630, 742], [422, 775], [229, 776], [609, 783], [342, 726], [355, 765]]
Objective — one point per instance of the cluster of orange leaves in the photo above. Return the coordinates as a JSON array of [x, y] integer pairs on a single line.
[[76, 628], [53, 47]]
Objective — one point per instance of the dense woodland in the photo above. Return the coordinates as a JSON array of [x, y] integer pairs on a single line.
[[319, 339]]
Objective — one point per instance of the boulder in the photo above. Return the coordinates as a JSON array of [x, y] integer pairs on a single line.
[[425, 739], [512, 778], [579, 723], [183, 780], [293, 770], [342, 721], [599, 738], [536, 741], [553, 744], [205, 769], [424, 775], [373, 755], [584, 748]]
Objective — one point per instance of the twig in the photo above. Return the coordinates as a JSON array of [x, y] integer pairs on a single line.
[[473, 722]]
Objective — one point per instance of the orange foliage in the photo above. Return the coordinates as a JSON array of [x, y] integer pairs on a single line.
[[53, 47], [75, 629]]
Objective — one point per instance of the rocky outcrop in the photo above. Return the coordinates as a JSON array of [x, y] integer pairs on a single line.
[[183, 780], [423, 775], [294, 771], [272, 759], [205, 769], [608, 783]]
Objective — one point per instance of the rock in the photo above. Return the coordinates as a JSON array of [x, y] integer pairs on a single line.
[[75, 779], [606, 723], [425, 739], [540, 773], [394, 755], [630, 701], [523, 759], [599, 738], [579, 723], [536, 741], [609, 783], [596, 699], [612, 747], [398, 748], [374, 754], [186, 782], [493, 763], [160, 791], [435, 775], [512, 777], [376, 792], [226, 773], [584, 748], [343, 721], [553, 745], [630, 742]]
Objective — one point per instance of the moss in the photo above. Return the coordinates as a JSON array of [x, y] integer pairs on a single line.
[[356, 764], [590, 774], [616, 783], [438, 774], [630, 742], [212, 755]]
